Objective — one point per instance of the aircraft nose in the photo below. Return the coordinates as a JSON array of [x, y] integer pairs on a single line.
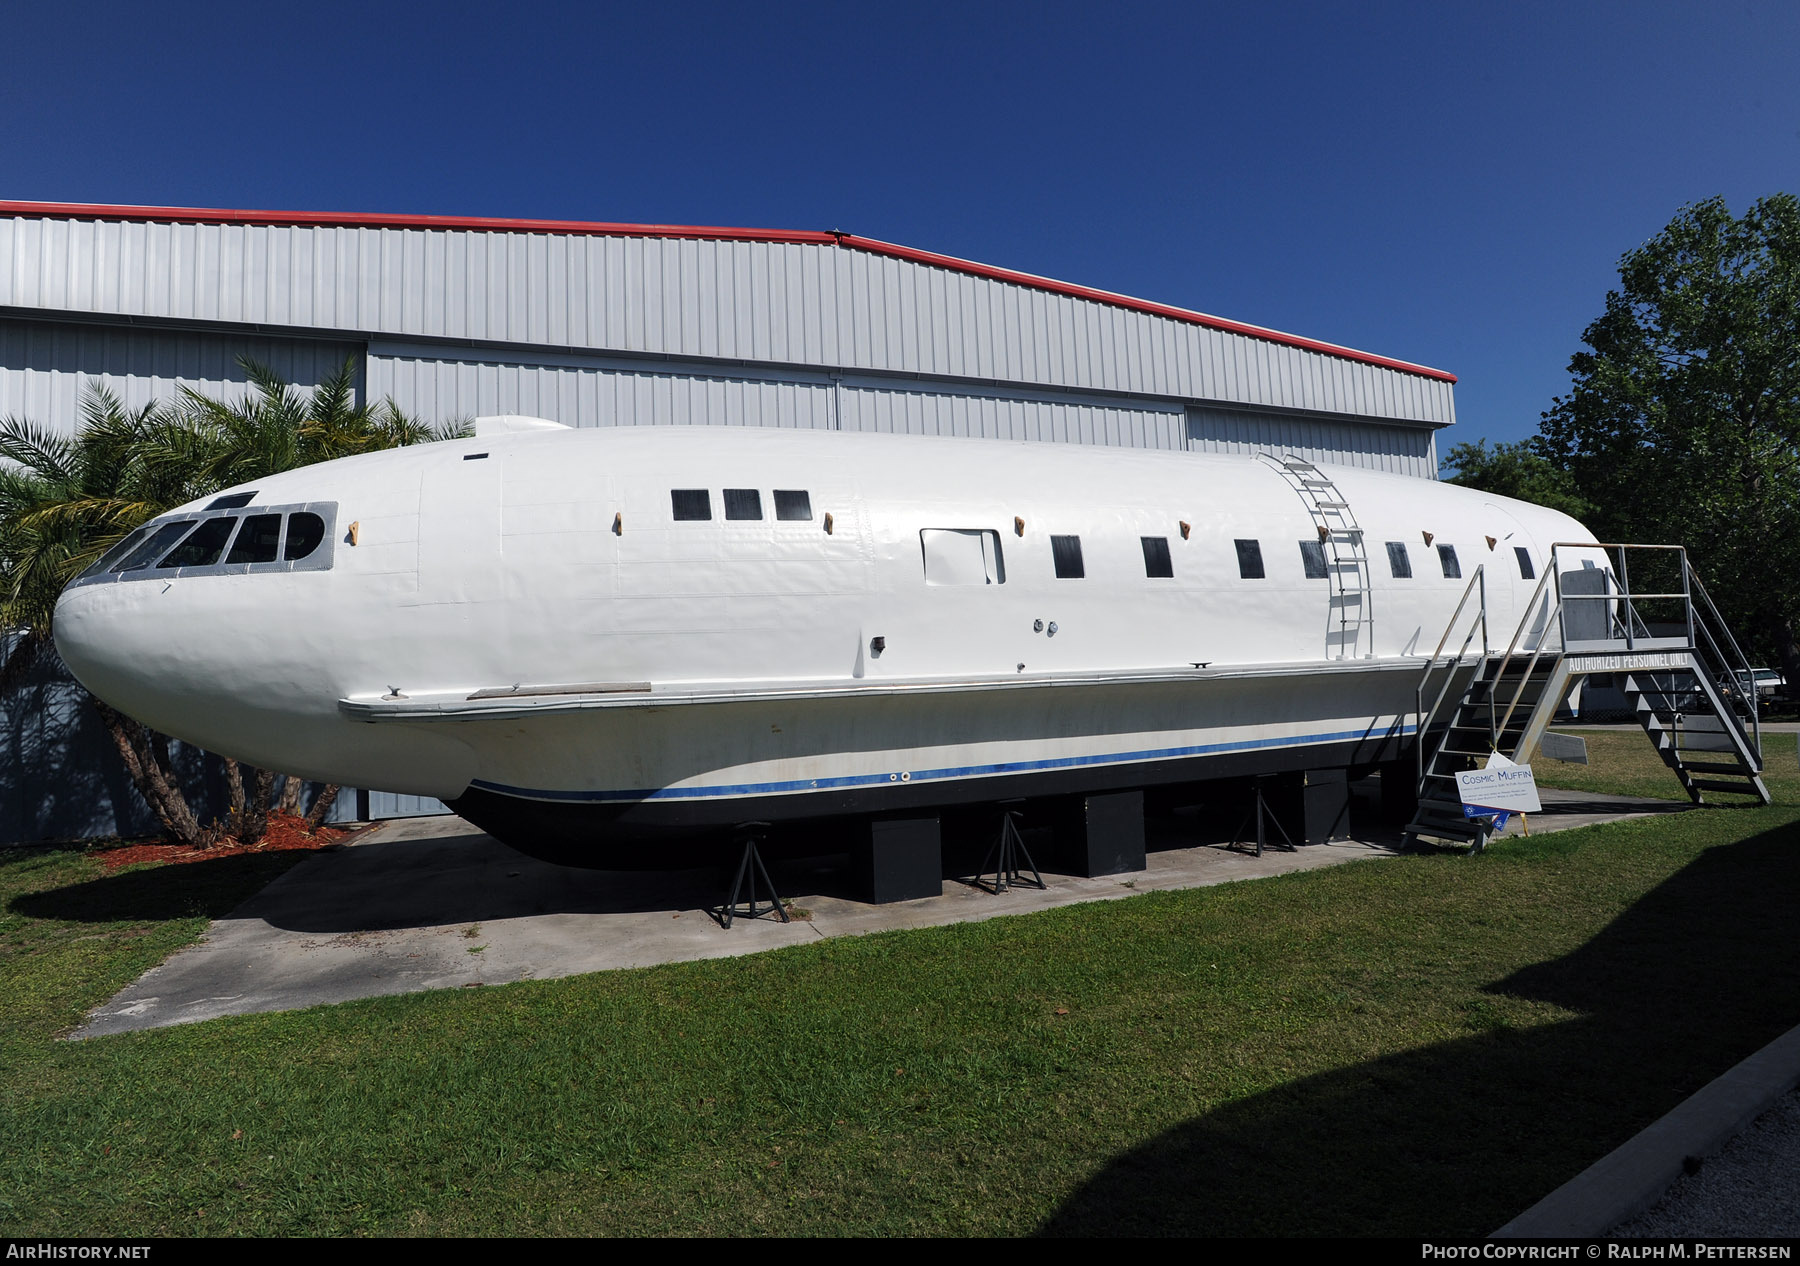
[[93, 636]]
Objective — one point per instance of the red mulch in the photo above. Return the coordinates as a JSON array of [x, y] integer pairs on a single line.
[[287, 833]]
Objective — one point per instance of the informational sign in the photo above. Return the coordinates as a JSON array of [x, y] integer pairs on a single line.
[[1502, 787], [1631, 662], [1570, 748]]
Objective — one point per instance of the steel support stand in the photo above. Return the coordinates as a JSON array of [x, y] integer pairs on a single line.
[[1003, 859], [1260, 810], [749, 867]]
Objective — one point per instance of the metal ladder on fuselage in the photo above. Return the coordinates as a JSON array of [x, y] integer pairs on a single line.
[[1350, 622]]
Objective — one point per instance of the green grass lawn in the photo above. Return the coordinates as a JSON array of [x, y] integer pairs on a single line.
[[1414, 1047]]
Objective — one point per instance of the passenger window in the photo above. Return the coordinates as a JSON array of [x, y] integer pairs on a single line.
[[1250, 564], [1157, 563], [1526, 570], [691, 504], [1312, 557], [962, 556], [1399, 561], [743, 503], [152, 549], [203, 548], [793, 506], [305, 531], [1447, 556], [256, 539], [1065, 551]]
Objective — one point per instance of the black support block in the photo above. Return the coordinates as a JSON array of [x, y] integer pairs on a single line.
[[1101, 834], [1326, 800], [1399, 791], [899, 859]]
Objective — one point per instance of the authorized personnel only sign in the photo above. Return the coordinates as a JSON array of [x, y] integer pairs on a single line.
[[1502, 787]]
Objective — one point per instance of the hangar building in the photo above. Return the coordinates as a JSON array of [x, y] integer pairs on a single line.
[[620, 324]]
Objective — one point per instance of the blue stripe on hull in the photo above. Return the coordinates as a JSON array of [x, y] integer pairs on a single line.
[[929, 775]]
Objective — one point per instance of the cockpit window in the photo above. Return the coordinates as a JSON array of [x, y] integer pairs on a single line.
[[105, 562], [232, 500], [305, 531], [152, 549], [256, 540], [232, 543], [203, 548]]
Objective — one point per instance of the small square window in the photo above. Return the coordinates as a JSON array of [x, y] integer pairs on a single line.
[[691, 503], [1399, 561], [743, 503], [1526, 570], [1066, 551], [794, 506], [1157, 563], [1447, 556], [1250, 564], [1312, 557]]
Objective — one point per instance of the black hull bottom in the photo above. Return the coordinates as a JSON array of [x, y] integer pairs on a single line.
[[664, 834]]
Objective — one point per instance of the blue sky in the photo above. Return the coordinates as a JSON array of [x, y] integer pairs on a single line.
[[1450, 185]]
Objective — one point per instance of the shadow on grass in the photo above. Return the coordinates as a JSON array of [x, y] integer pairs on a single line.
[[210, 889], [1458, 1138]]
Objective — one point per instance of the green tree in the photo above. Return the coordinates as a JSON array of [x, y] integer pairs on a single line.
[[1683, 420], [65, 500], [1515, 470]]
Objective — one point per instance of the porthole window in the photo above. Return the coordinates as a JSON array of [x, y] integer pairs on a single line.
[[743, 503], [1399, 561], [1157, 563], [1250, 564], [203, 547], [1447, 556], [1526, 570], [691, 504], [256, 539], [305, 531], [1066, 552], [793, 507], [1312, 558]]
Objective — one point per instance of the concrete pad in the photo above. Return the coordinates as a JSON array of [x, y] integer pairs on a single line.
[[434, 903]]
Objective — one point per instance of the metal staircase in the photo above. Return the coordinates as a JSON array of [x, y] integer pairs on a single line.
[[1680, 675], [1350, 620]]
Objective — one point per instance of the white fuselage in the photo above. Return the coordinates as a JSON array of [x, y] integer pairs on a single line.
[[523, 615]]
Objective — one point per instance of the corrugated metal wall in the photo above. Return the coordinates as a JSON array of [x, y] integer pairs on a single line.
[[45, 365], [812, 305], [1402, 450], [923, 412], [590, 395]]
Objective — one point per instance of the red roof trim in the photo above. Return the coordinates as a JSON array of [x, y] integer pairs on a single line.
[[488, 224]]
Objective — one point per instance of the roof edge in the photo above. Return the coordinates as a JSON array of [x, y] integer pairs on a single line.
[[809, 237]]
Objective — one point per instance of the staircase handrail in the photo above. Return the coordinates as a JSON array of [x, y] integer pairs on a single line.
[[1537, 653], [1745, 684], [1426, 719]]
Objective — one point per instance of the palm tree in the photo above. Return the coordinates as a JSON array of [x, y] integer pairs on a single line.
[[66, 500]]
